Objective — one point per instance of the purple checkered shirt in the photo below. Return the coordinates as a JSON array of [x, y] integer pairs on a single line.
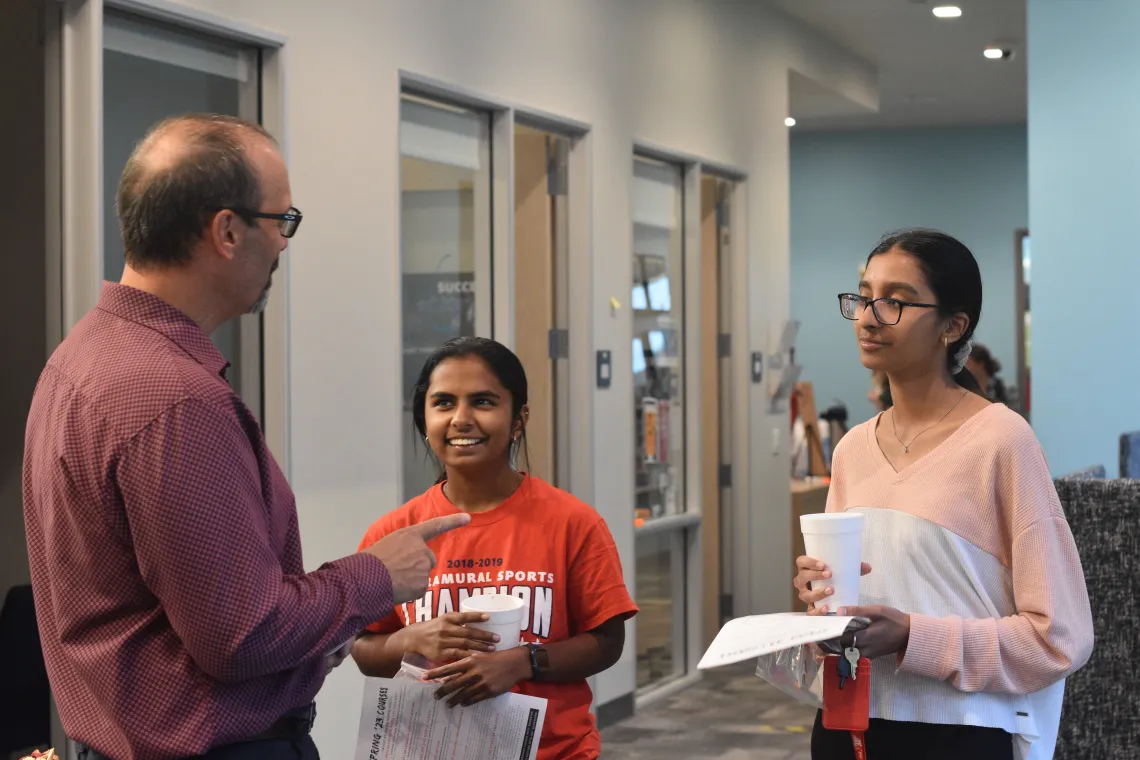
[[173, 605]]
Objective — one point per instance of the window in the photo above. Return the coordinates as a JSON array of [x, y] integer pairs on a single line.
[[657, 300], [661, 558], [445, 246]]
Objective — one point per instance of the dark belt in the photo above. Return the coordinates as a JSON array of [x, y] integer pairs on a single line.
[[291, 725]]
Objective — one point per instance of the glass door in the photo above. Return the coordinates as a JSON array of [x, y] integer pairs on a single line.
[[150, 72]]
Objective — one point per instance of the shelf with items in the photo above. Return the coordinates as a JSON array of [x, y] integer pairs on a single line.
[[655, 460]]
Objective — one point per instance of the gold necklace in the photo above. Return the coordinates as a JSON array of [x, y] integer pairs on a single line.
[[906, 446]]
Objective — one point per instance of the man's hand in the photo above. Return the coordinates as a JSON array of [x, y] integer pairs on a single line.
[[333, 660], [407, 557], [481, 676]]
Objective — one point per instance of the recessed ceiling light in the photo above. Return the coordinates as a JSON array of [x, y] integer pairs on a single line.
[[789, 122], [947, 11], [994, 53]]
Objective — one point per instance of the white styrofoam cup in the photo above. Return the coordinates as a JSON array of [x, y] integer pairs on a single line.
[[836, 539]]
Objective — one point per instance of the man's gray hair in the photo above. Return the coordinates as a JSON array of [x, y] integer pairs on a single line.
[[163, 210]]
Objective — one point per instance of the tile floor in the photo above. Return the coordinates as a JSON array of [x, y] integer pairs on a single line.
[[730, 715]]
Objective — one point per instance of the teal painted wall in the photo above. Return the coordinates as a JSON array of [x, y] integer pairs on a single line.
[[849, 188], [1084, 190]]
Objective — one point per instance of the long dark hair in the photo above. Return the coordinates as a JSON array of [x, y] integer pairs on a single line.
[[952, 273], [502, 362]]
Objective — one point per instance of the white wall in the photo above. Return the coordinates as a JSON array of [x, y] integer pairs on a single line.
[[708, 78]]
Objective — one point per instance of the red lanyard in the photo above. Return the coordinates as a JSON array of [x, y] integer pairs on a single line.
[[847, 701]]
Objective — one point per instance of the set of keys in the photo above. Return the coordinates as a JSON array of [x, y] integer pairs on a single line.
[[848, 665]]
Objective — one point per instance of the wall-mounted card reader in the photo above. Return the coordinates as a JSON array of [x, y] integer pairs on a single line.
[[605, 369]]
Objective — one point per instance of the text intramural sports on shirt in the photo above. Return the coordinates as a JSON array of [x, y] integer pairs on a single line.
[[534, 588]]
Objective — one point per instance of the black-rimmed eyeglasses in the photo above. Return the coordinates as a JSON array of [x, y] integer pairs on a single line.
[[888, 311], [287, 223]]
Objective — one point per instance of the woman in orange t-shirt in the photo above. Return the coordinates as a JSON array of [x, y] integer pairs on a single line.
[[526, 538]]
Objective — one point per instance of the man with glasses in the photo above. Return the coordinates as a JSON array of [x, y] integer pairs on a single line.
[[173, 606]]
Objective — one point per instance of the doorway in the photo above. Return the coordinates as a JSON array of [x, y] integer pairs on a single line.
[[27, 713], [140, 71], [716, 402]]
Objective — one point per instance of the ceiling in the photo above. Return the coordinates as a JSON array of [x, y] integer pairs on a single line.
[[931, 70]]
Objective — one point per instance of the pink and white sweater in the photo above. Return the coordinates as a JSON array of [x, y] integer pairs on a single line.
[[972, 542]]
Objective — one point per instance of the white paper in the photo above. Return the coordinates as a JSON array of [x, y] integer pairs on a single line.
[[747, 637], [402, 719]]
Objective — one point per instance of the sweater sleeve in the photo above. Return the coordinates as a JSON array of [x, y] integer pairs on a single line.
[[1052, 633]]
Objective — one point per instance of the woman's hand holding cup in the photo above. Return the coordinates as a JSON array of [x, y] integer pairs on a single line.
[[448, 638], [810, 569]]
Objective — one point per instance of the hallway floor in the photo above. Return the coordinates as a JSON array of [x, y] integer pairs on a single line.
[[730, 715]]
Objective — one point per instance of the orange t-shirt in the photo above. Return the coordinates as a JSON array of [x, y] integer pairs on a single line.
[[544, 546]]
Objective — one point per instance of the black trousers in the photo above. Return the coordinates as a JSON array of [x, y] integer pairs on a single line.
[[300, 747], [894, 740]]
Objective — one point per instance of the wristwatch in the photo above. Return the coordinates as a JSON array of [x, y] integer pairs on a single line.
[[539, 661]]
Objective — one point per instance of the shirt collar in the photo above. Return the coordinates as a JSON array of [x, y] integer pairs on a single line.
[[151, 311]]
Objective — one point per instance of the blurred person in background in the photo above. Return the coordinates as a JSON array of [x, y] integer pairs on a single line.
[[880, 393], [985, 368]]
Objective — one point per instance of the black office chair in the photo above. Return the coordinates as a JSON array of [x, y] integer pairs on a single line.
[[25, 696]]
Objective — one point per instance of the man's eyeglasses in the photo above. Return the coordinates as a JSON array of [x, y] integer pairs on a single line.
[[888, 311], [287, 223]]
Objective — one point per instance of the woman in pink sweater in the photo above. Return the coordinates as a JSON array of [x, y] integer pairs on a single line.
[[972, 581]]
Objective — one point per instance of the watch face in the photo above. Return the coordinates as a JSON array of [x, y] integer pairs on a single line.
[[539, 660]]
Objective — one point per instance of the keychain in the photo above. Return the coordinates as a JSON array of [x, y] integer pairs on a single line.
[[847, 695]]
